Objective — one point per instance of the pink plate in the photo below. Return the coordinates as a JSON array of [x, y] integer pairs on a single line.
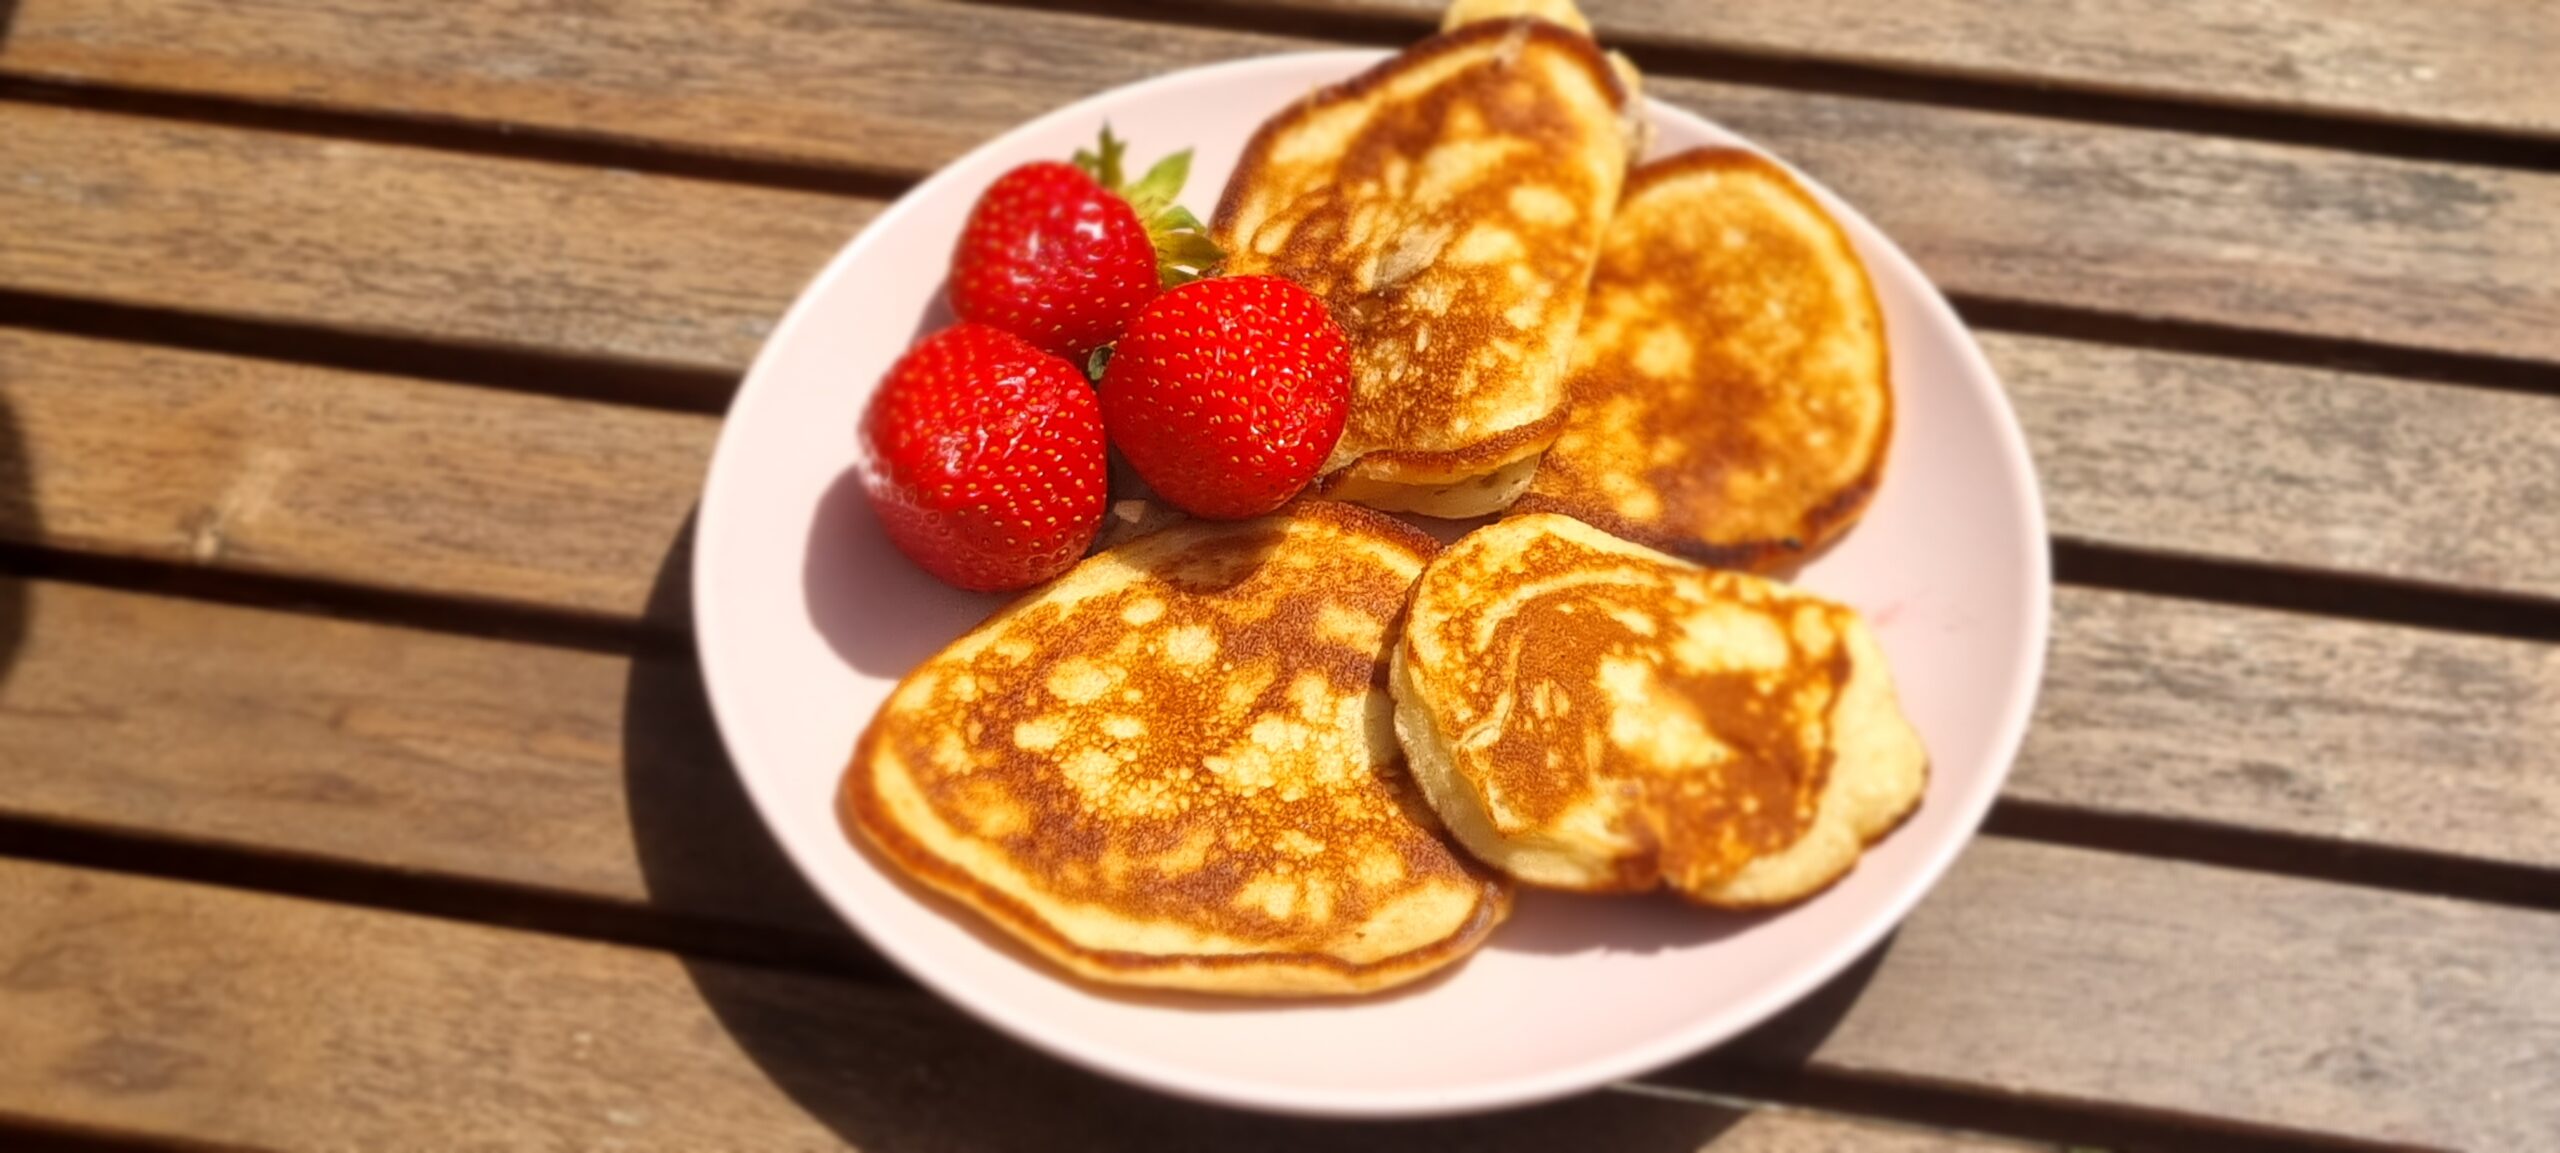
[[807, 618]]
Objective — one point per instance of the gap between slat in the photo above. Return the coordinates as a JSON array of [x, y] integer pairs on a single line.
[[488, 620], [442, 896], [1754, 1078], [475, 137], [2255, 850], [2319, 592], [2224, 581], [2234, 342], [2072, 1123], [662, 387], [21, 1134], [1654, 55], [2060, 100], [683, 389], [2288, 854]]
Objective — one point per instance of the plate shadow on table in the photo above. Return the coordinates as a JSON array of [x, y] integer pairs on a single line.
[[887, 1067]]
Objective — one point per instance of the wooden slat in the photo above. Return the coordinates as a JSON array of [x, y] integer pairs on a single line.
[[342, 476], [2282, 466], [182, 1012], [2219, 994], [405, 241], [2327, 728], [585, 772], [2471, 64], [2140, 982], [459, 491], [2301, 241], [534, 767], [531, 766], [895, 85]]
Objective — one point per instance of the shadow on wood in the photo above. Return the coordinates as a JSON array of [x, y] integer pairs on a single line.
[[17, 508], [887, 1067]]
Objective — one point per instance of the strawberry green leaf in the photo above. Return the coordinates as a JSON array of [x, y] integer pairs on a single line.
[[1174, 218], [1157, 189], [1182, 257], [1104, 166], [1094, 363], [1184, 252]]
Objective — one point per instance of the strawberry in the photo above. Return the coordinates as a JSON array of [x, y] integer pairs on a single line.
[[1226, 394], [1062, 255], [983, 457]]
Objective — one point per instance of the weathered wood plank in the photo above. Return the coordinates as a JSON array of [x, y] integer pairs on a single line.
[[405, 241], [179, 1011], [459, 491], [2167, 225], [894, 85], [2141, 982], [2303, 241], [2309, 725], [528, 766], [226, 1015], [587, 772], [2323, 470], [2473, 64], [267, 467]]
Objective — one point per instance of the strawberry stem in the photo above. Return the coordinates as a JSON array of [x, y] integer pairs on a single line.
[[1184, 252]]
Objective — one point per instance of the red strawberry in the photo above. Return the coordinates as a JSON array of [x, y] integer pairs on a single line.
[[1062, 255], [984, 458], [1226, 394]]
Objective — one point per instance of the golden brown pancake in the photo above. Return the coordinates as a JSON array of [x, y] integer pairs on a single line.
[[1447, 205], [1590, 714], [1731, 397], [1176, 766]]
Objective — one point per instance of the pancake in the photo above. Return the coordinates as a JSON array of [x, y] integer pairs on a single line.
[[1589, 714], [1731, 395], [1447, 205], [1176, 766]]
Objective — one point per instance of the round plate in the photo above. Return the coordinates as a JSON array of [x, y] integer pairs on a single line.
[[807, 618]]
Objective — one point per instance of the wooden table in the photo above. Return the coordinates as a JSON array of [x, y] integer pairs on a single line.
[[359, 360]]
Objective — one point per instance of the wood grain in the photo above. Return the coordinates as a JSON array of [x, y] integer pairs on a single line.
[[2139, 982], [2328, 728], [2163, 225], [267, 467], [888, 85], [2306, 242], [2322, 470], [177, 1011], [181, 1009], [585, 772], [2471, 64], [560, 504], [516, 764], [405, 241]]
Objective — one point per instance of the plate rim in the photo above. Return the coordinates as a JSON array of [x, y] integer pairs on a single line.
[[1517, 1090]]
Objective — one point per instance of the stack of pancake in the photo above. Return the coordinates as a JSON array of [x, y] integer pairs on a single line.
[[1310, 754]]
